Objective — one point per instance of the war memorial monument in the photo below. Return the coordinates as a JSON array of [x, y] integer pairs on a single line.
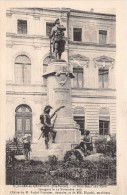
[[58, 77]]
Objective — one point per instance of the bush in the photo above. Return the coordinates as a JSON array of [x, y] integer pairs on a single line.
[[53, 160], [111, 147], [10, 154], [73, 155], [106, 163], [106, 147]]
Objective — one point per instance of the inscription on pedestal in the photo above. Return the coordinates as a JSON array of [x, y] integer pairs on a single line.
[[62, 95]]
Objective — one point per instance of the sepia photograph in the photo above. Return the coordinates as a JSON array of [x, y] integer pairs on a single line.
[[61, 96]]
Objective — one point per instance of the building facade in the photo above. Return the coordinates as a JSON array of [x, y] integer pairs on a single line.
[[90, 52]]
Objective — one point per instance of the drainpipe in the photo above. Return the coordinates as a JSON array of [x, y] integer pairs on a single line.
[[68, 33]]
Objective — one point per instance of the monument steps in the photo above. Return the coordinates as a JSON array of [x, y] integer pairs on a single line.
[[39, 152]]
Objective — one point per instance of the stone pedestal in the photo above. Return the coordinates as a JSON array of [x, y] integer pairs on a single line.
[[58, 77]]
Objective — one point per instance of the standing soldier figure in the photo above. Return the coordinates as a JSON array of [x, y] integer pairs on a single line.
[[58, 39], [47, 128]]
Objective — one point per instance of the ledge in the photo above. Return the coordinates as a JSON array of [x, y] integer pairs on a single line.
[[93, 96], [91, 44], [26, 36], [95, 89]]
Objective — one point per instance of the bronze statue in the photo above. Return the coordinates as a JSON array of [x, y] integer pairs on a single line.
[[58, 39], [48, 128]]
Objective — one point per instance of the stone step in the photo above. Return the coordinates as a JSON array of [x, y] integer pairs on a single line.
[[61, 146], [44, 154]]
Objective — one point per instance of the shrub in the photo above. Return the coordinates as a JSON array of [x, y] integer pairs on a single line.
[[106, 147], [73, 155], [107, 167], [10, 154], [53, 160], [106, 163], [100, 145], [111, 147], [87, 164]]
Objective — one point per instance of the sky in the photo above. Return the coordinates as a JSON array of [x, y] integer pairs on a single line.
[[98, 6]]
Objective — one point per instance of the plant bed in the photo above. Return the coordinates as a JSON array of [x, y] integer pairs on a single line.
[[73, 171]]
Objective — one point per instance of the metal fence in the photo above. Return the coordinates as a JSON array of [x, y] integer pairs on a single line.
[[100, 177]]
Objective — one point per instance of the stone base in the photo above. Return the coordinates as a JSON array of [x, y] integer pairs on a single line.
[[68, 136], [42, 154], [65, 140]]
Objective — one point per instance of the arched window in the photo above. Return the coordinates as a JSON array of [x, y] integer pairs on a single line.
[[23, 121], [22, 70], [79, 117], [104, 121]]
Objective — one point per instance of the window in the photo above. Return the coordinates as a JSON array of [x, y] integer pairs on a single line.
[[103, 77], [22, 26], [23, 121], [102, 36], [78, 80], [104, 121], [103, 127], [79, 117], [22, 70], [80, 121], [77, 34], [49, 26]]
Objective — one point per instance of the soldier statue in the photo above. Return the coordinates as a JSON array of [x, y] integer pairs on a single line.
[[48, 128], [58, 39]]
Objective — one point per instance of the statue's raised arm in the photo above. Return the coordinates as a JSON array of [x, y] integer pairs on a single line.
[[58, 39]]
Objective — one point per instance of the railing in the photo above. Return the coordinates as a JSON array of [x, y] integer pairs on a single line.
[[100, 177]]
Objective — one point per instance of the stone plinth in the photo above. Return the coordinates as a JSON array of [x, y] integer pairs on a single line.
[[58, 77], [59, 87]]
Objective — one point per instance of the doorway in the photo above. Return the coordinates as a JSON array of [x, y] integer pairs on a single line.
[[23, 121]]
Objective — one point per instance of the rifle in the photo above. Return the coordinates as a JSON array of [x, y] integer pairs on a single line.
[[54, 122], [52, 132], [40, 135], [57, 110]]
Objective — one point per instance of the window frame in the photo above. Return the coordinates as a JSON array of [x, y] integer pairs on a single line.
[[23, 115], [75, 35], [104, 128], [103, 38], [79, 70], [103, 78], [21, 27], [23, 72], [80, 118]]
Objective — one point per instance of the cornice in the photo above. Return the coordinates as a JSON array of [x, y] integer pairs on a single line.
[[94, 16], [92, 96], [72, 12], [93, 89], [79, 60], [25, 93], [25, 36], [104, 61], [92, 44]]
